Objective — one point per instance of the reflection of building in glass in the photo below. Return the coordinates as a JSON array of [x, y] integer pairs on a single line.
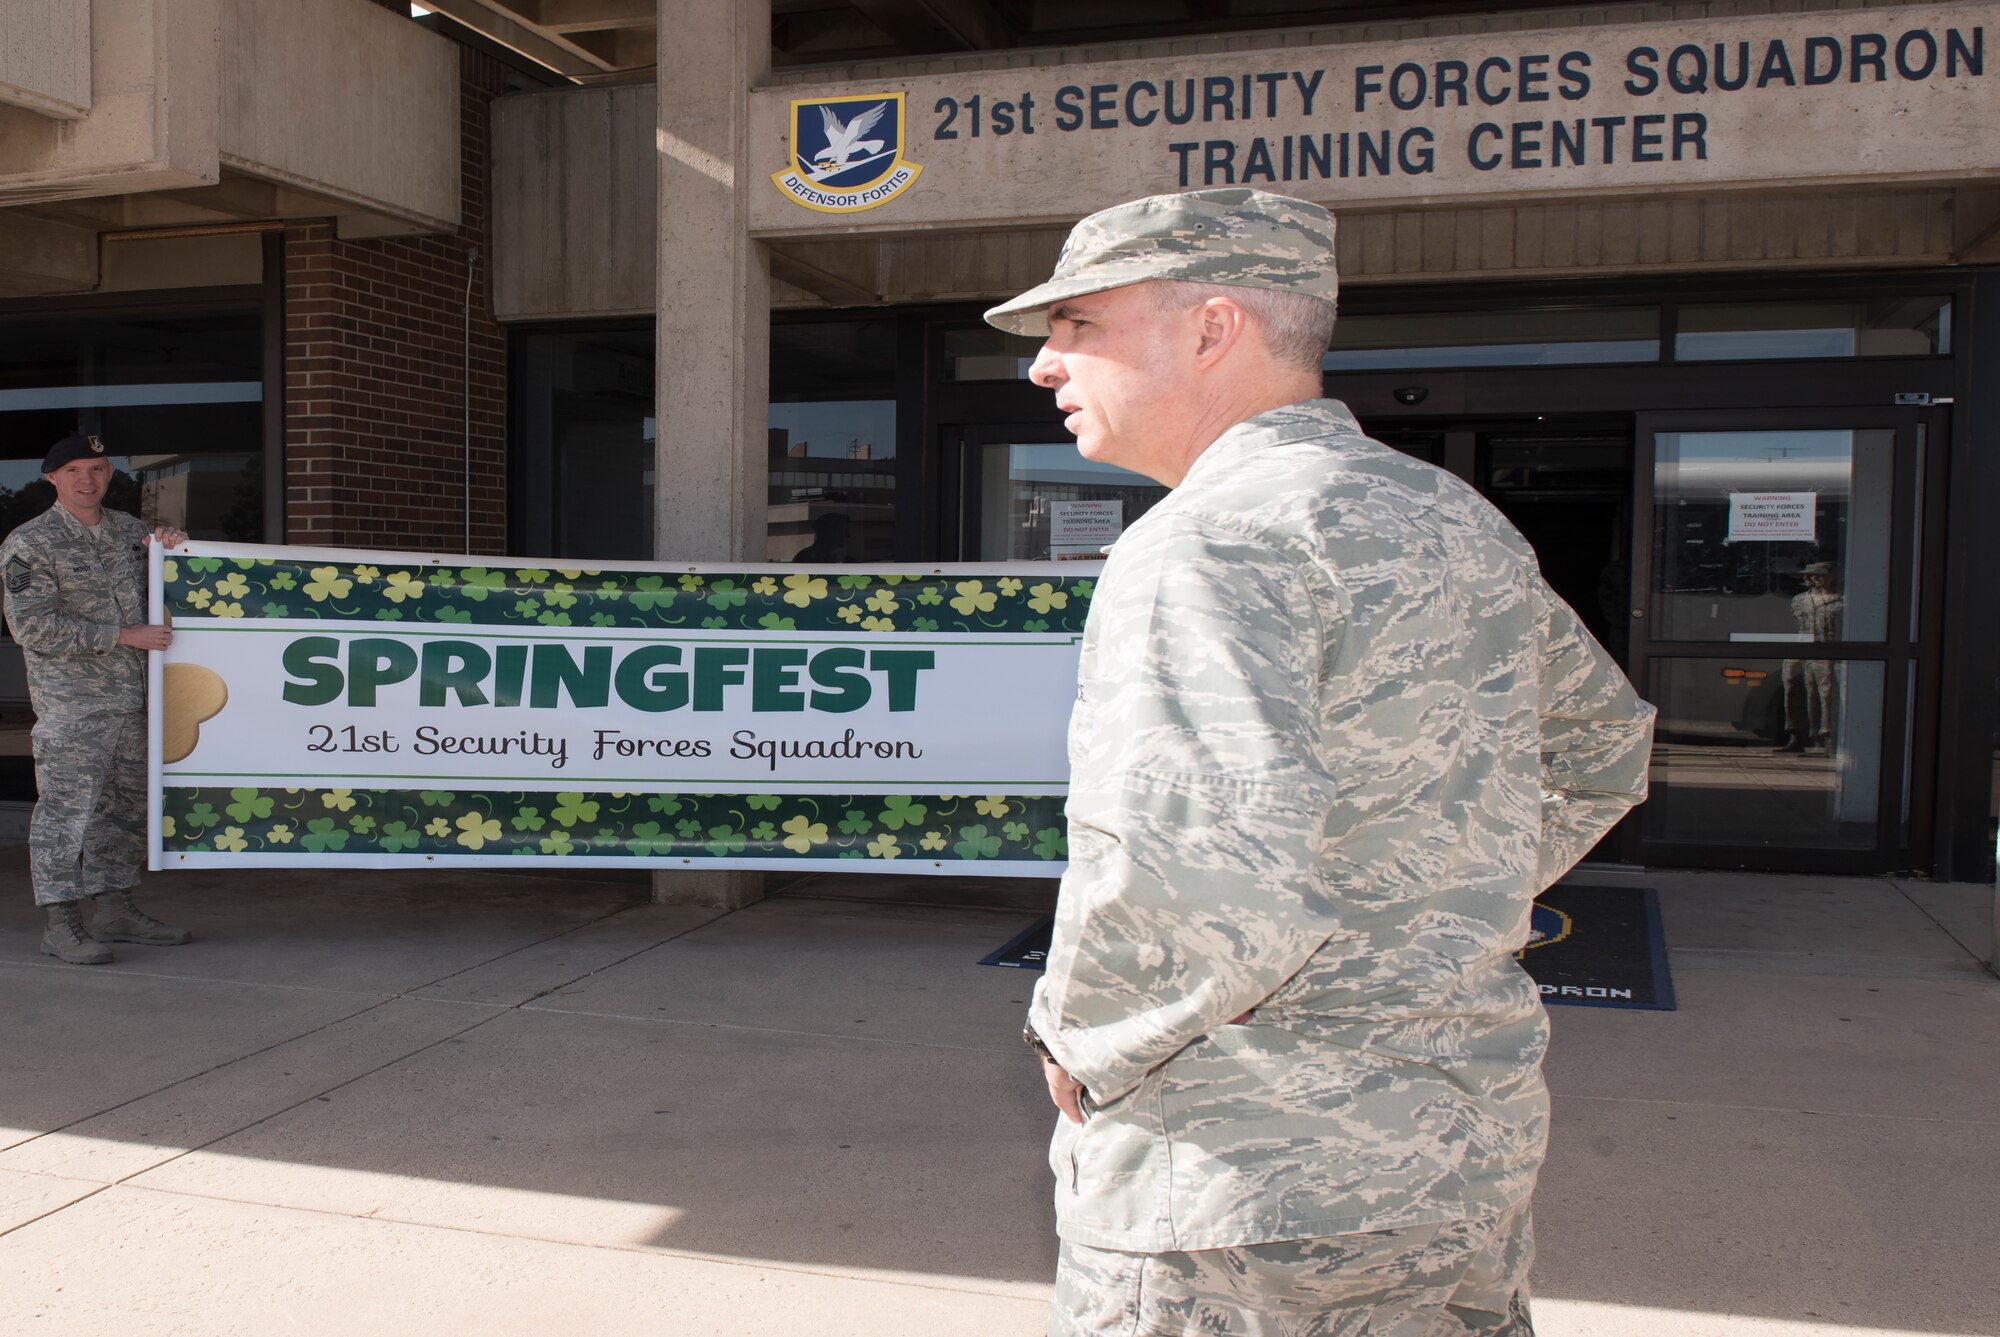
[[807, 485]]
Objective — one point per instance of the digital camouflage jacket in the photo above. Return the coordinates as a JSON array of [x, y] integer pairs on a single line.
[[1333, 733], [67, 596]]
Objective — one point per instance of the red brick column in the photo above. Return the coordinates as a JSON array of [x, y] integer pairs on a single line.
[[376, 385]]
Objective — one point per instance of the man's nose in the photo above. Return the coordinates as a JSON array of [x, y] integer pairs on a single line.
[[1047, 370]]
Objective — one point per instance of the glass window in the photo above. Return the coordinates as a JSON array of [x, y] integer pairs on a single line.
[[982, 353], [1916, 326], [178, 399], [1567, 336], [1771, 535], [833, 476], [1043, 501], [1778, 752]]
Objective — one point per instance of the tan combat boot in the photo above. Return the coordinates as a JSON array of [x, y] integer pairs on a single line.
[[65, 940], [118, 920]]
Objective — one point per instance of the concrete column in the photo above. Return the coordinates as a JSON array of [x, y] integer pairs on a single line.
[[714, 340]]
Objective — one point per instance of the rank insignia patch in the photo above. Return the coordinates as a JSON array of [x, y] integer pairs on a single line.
[[847, 154]]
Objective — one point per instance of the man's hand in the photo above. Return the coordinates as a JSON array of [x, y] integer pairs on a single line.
[[142, 636], [167, 537], [1065, 1091]]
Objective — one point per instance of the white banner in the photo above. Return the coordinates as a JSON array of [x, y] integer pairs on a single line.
[[340, 707]]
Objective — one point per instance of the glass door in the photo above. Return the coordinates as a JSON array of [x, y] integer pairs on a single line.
[[1026, 494], [1774, 625]]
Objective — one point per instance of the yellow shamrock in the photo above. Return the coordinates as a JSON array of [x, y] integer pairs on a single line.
[[477, 831], [993, 805], [972, 598], [402, 585], [802, 834], [802, 590], [1046, 597], [326, 583], [885, 846]]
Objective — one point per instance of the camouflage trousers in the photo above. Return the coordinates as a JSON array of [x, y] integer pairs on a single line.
[[88, 833], [1456, 1279]]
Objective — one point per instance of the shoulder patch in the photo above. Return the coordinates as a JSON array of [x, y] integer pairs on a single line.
[[17, 574]]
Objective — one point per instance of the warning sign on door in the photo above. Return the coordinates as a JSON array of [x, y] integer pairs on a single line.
[[1772, 516]]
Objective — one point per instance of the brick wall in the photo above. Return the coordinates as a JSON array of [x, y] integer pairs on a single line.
[[376, 374]]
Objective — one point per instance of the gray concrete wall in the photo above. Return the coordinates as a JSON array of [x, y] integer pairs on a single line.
[[45, 56], [575, 198], [346, 99], [153, 117]]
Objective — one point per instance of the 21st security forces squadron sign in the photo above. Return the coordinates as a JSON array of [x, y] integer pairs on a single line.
[[847, 154]]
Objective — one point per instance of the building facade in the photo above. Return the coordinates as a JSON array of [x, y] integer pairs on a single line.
[[1701, 295]]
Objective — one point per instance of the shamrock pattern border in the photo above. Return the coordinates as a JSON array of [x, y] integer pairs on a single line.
[[649, 828], [415, 591]]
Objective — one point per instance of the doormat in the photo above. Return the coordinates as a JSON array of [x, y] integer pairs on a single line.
[[1587, 946]]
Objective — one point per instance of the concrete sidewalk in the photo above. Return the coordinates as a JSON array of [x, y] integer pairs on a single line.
[[371, 1103]]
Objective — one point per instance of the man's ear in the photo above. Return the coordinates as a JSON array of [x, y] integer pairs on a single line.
[[1223, 323]]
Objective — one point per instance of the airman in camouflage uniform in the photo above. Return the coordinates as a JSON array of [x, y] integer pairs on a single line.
[[1333, 733], [75, 582]]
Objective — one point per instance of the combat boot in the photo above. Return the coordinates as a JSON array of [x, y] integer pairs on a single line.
[[65, 940], [118, 920]]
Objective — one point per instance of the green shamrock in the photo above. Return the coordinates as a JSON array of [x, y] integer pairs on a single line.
[[249, 803], [277, 610], [528, 819], [665, 804], [361, 825], [476, 582], [446, 613], [559, 596], [602, 620], [557, 842], [900, 810], [437, 798], [724, 841], [772, 622], [725, 594], [554, 619], [648, 839], [930, 594], [974, 843], [856, 582], [1051, 843], [397, 837], [763, 802], [688, 827], [389, 614], [204, 563], [322, 836], [532, 575], [924, 623], [201, 816], [650, 592], [284, 580], [714, 622], [1035, 624], [571, 809], [856, 824], [527, 607], [1015, 830], [763, 832]]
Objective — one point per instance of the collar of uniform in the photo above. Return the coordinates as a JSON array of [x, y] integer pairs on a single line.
[[76, 526], [1308, 419]]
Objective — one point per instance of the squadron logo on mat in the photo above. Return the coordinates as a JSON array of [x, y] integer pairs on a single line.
[[847, 154], [1547, 926]]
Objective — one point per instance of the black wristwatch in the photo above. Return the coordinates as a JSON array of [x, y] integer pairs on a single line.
[[1034, 1042]]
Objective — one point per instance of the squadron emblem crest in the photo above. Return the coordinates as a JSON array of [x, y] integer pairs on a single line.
[[847, 153]]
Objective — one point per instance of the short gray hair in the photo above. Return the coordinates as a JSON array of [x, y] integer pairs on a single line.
[[1296, 327]]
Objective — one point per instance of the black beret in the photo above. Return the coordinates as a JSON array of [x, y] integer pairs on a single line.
[[79, 447]]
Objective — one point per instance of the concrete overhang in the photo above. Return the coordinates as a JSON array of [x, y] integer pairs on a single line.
[[221, 110], [45, 57]]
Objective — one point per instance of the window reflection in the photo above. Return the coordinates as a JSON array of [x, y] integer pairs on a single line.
[[833, 482], [1908, 326], [1778, 752], [1772, 535], [1042, 501]]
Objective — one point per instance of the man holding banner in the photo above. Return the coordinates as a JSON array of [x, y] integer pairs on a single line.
[[1333, 733], [75, 579]]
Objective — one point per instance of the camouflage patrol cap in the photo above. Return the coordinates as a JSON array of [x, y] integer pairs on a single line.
[[1242, 237], [78, 447]]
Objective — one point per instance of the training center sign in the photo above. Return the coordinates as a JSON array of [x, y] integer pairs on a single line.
[[340, 708]]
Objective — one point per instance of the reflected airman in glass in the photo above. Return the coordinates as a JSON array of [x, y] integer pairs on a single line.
[[1812, 690]]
